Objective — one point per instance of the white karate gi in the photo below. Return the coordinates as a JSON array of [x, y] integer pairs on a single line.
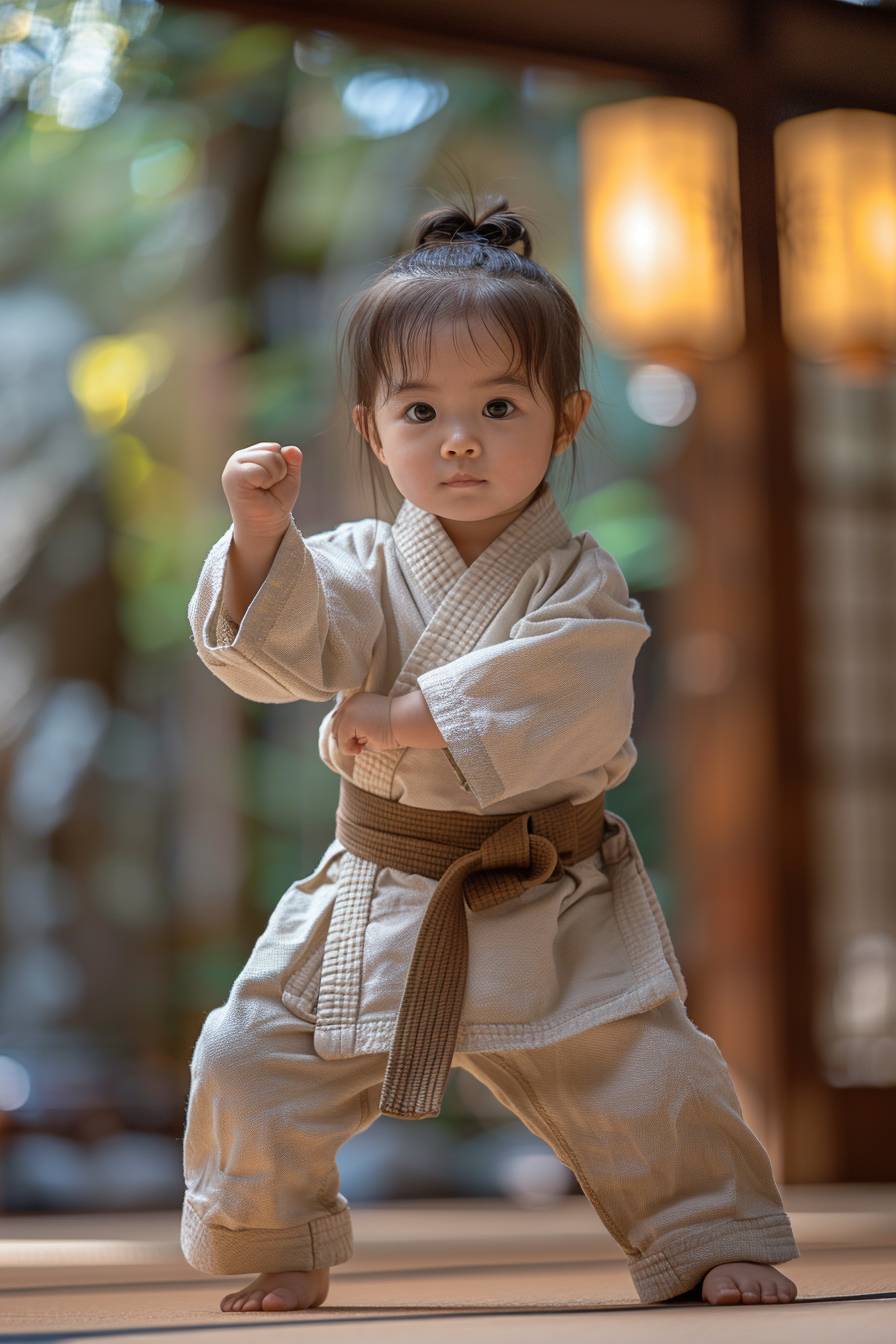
[[525, 659]]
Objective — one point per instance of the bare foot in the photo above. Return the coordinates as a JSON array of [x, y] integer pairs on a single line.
[[287, 1290], [746, 1283]]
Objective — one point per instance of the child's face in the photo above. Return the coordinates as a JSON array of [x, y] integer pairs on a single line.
[[467, 414]]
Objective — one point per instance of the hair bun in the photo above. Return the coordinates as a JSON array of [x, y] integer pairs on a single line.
[[495, 226]]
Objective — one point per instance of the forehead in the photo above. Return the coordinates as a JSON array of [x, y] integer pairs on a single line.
[[470, 350]]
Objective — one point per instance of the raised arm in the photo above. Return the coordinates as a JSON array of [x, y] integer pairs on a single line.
[[310, 629], [276, 616]]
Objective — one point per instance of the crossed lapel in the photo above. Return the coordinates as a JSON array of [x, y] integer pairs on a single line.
[[464, 599]]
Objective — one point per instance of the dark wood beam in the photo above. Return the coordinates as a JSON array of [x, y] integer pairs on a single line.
[[817, 49]]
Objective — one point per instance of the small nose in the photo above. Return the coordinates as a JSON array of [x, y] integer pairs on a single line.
[[461, 444]]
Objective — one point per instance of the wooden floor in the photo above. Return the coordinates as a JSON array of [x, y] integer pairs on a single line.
[[471, 1270]]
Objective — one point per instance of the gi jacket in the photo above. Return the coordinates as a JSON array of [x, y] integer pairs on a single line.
[[525, 659]]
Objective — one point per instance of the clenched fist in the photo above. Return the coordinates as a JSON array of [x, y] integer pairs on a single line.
[[262, 485], [363, 721]]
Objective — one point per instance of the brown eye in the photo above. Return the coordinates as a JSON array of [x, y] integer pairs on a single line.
[[499, 401], [415, 406]]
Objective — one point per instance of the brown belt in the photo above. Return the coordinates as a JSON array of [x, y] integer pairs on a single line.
[[483, 860]]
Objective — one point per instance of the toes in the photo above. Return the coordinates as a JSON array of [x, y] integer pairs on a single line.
[[723, 1290], [283, 1298], [252, 1303], [236, 1301], [727, 1289]]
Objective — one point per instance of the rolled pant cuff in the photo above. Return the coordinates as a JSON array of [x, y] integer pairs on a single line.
[[326, 1240], [682, 1258]]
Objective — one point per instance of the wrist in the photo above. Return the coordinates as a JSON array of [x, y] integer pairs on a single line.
[[252, 541], [411, 723], [247, 564]]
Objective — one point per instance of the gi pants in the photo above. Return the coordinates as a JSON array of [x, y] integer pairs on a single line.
[[642, 1110]]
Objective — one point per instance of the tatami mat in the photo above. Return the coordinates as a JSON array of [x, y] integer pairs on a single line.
[[472, 1270]]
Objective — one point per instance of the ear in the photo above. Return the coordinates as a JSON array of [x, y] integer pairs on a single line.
[[575, 408], [359, 420], [361, 423]]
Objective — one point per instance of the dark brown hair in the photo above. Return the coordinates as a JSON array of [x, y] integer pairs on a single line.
[[463, 265]]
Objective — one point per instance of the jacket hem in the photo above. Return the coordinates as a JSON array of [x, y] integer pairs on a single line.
[[374, 1035]]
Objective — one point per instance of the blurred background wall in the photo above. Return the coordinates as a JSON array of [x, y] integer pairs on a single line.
[[189, 192]]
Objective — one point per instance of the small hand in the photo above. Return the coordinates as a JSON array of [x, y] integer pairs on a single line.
[[362, 721], [262, 484]]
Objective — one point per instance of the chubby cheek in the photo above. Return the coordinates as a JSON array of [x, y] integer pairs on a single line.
[[414, 458]]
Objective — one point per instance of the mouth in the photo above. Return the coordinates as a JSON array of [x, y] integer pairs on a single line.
[[464, 480]]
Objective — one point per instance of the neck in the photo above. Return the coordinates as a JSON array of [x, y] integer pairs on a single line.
[[471, 539]]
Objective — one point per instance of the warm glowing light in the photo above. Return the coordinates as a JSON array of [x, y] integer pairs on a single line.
[[662, 228], [836, 186]]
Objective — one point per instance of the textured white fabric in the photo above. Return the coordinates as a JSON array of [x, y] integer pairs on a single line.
[[525, 659], [642, 1111], [573, 1014]]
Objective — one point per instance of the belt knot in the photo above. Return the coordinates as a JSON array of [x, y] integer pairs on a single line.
[[515, 857]]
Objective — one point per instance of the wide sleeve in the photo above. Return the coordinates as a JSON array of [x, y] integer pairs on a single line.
[[555, 699], [310, 630]]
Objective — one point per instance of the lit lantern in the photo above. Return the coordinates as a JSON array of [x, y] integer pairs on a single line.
[[836, 188], [661, 216]]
